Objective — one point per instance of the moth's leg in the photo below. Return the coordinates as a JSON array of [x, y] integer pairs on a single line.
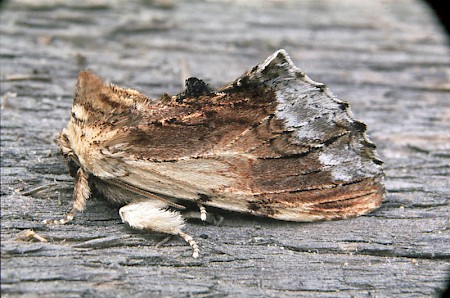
[[81, 193], [191, 242], [215, 219], [152, 215], [186, 238], [202, 212], [164, 241], [212, 218]]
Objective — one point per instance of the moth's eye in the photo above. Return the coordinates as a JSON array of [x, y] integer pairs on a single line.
[[73, 167]]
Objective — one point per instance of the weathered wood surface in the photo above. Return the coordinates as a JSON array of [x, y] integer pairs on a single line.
[[389, 59]]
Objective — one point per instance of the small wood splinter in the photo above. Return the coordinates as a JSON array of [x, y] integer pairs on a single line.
[[28, 235]]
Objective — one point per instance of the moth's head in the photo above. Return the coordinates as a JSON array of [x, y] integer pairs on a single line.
[[68, 154]]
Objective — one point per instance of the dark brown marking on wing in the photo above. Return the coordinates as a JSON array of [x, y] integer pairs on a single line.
[[337, 202], [204, 198], [193, 128], [262, 208]]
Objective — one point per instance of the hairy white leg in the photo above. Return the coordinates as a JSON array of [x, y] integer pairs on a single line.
[[81, 194], [152, 215]]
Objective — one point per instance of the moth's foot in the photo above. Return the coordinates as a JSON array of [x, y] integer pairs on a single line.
[[203, 215], [187, 238], [203, 212], [192, 243], [62, 221], [211, 218]]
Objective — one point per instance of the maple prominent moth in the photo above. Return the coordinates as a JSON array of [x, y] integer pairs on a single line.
[[272, 143]]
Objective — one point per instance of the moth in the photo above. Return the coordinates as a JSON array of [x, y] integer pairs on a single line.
[[272, 143]]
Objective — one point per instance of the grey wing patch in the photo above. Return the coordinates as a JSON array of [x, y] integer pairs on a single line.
[[317, 118]]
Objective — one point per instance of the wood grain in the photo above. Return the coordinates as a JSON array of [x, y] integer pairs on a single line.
[[390, 60]]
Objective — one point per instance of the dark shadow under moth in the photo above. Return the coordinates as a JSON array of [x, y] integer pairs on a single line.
[[273, 143]]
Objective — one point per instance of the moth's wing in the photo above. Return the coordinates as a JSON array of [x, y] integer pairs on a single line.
[[318, 162], [117, 134], [272, 143]]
